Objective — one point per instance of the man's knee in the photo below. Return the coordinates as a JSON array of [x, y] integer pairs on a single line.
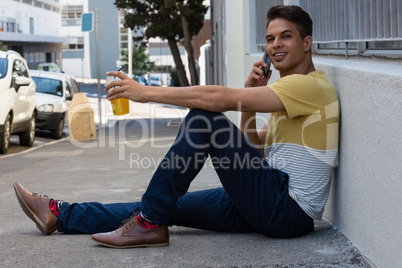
[[203, 113]]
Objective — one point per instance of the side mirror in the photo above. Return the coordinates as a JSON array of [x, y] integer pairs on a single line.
[[21, 81], [69, 98]]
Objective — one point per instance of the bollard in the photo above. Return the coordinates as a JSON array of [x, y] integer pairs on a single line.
[[81, 119]]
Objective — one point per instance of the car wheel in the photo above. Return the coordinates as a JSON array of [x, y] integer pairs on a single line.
[[58, 133], [27, 138], [5, 138]]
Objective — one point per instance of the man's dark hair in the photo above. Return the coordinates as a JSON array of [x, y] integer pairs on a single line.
[[294, 14]]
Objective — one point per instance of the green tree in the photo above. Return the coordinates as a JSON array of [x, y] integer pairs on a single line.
[[172, 20], [140, 60], [3, 47], [174, 79]]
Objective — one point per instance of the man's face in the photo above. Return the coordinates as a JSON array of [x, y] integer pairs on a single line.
[[288, 52]]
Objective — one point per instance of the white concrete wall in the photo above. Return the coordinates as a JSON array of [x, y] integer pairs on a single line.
[[240, 53], [76, 67], [45, 22], [366, 201], [235, 53]]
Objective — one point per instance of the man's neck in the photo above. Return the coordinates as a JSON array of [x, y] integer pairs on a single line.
[[301, 69]]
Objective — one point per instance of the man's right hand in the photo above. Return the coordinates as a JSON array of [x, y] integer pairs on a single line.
[[256, 77]]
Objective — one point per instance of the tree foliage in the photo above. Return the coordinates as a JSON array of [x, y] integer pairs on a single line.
[[174, 82], [3, 47], [140, 60], [172, 20]]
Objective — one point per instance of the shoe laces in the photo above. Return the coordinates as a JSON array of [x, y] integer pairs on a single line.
[[41, 195], [130, 221], [57, 201]]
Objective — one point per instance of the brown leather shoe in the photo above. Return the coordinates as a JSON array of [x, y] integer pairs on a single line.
[[133, 235], [36, 207]]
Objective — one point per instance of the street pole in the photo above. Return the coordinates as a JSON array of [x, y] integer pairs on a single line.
[[98, 66], [130, 53]]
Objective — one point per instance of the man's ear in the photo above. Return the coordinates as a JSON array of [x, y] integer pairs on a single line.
[[308, 43]]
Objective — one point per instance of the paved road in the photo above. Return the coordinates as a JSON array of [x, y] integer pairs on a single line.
[[41, 138], [115, 171]]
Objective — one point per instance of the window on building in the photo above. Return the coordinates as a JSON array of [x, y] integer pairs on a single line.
[[123, 38], [358, 27], [123, 31], [38, 4], [361, 27], [31, 26], [79, 44], [71, 15], [261, 8], [389, 45], [10, 26]]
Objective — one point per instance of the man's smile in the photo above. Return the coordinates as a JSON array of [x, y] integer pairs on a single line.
[[279, 55]]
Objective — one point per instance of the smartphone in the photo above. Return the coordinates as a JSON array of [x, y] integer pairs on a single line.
[[268, 62]]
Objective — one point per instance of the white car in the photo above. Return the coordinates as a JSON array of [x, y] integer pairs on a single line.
[[155, 81], [49, 67], [54, 92], [17, 102]]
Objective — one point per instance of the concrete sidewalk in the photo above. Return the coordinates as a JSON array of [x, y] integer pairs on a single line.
[[114, 169]]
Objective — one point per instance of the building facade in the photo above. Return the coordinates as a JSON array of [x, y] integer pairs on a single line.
[[33, 28], [80, 54], [50, 31]]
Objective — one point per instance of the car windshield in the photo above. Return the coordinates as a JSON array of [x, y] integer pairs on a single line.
[[3, 68], [48, 85], [141, 79]]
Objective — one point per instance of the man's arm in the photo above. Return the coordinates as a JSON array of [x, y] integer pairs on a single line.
[[248, 119], [212, 98], [249, 128]]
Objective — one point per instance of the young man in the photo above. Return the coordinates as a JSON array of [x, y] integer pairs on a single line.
[[279, 194]]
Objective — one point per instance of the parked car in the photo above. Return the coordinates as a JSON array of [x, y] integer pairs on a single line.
[[155, 81], [18, 101], [147, 80], [141, 79], [54, 93], [49, 67]]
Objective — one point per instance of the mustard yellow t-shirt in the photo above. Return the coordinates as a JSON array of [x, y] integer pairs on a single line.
[[302, 141]]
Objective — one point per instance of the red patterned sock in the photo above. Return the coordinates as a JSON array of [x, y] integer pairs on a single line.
[[145, 222], [55, 206]]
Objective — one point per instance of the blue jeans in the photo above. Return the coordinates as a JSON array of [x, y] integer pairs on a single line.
[[254, 197]]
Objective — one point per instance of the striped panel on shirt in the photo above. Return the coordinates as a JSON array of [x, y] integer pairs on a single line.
[[309, 173]]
